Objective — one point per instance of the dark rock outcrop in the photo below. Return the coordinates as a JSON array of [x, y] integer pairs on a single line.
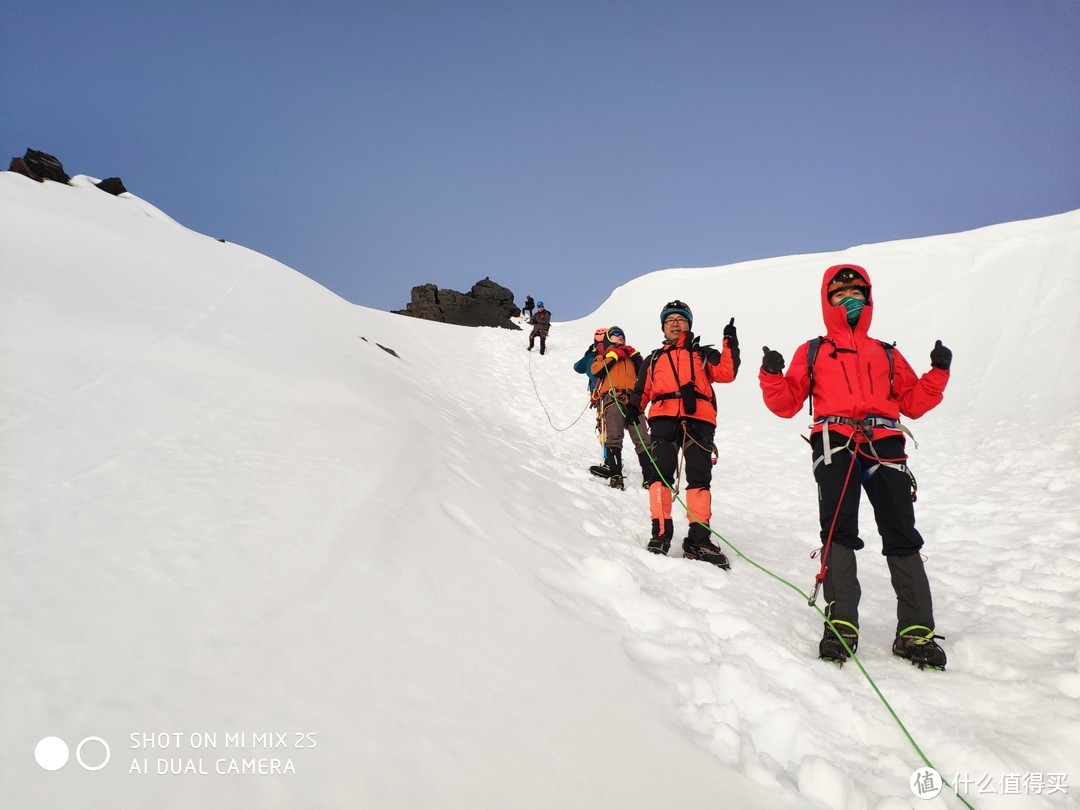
[[112, 185], [487, 304], [40, 166]]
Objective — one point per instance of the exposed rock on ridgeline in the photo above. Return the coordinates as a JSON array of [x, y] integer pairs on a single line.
[[486, 304]]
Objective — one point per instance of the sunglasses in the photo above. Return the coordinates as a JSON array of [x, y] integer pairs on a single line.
[[617, 333]]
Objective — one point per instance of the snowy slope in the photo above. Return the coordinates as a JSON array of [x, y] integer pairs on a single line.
[[226, 510]]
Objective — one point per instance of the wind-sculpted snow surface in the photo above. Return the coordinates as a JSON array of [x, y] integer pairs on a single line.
[[226, 510], [737, 652]]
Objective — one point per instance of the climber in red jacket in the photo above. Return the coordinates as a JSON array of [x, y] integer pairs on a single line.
[[859, 388]]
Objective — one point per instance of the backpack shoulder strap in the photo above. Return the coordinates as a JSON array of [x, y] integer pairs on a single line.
[[812, 347], [650, 362], [643, 373], [889, 347]]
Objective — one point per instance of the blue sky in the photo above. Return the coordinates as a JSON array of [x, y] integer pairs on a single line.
[[559, 148]]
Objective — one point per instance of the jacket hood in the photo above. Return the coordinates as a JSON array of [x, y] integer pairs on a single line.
[[836, 317]]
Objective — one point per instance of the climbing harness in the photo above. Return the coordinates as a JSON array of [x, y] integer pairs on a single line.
[[856, 445], [863, 427]]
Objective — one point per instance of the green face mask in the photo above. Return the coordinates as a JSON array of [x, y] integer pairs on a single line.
[[854, 309]]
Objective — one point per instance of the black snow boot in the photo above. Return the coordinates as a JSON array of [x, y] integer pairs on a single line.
[[830, 648], [914, 606], [918, 646], [915, 639], [841, 586], [615, 462], [698, 546], [842, 594], [612, 465], [661, 536]]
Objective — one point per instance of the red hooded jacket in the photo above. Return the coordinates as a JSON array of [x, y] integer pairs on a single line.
[[851, 373]]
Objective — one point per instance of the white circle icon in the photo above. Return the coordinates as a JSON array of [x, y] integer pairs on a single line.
[[925, 783], [51, 753], [105, 759]]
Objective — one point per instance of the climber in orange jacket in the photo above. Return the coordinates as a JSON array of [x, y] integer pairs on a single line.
[[616, 367], [675, 384]]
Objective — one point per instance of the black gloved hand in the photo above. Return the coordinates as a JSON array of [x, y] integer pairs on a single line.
[[941, 356], [632, 412], [772, 361], [729, 333], [710, 353]]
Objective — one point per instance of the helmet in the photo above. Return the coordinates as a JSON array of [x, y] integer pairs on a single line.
[[676, 307], [539, 303], [616, 331]]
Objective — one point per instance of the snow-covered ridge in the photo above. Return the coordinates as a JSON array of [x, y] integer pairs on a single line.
[[225, 509]]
